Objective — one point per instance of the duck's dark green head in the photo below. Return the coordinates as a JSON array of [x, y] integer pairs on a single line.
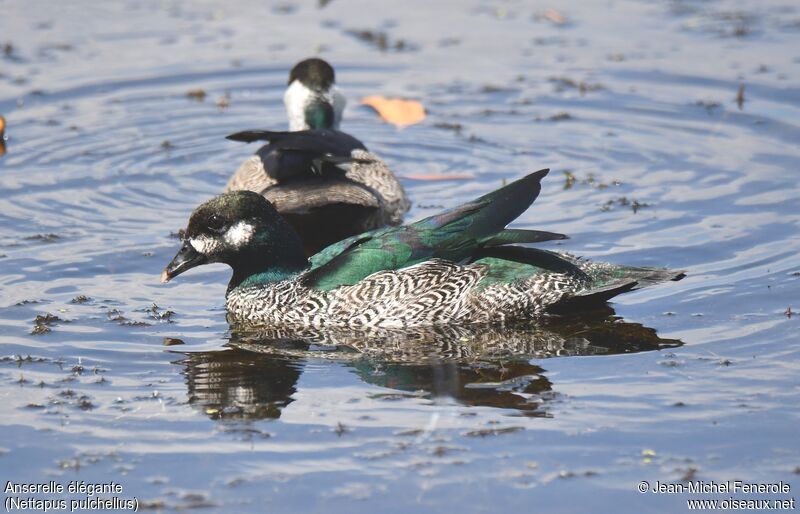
[[243, 230]]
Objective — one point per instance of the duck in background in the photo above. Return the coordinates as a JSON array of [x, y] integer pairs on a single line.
[[312, 99], [459, 266], [325, 183]]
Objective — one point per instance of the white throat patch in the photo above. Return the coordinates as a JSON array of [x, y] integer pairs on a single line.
[[239, 234], [298, 96]]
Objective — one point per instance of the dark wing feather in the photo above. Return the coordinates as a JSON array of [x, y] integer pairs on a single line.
[[302, 154], [514, 236], [543, 259], [455, 234], [249, 136]]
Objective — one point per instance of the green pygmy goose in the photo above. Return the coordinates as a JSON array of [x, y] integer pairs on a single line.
[[459, 266]]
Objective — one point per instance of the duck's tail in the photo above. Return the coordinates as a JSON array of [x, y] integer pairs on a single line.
[[608, 281]]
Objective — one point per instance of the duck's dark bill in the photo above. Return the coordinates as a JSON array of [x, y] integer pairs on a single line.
[[186, 258]]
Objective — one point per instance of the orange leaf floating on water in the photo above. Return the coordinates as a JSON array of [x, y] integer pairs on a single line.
[[2, 136], [555, 16], [396, 111], [464, 176]]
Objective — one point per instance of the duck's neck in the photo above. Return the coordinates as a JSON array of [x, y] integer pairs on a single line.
[[267, 267], [309, 109], [319, 114]]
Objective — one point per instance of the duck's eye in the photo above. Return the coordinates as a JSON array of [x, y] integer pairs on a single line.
[[216, 223]]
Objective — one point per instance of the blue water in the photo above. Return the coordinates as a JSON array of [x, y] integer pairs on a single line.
[[106, 156]]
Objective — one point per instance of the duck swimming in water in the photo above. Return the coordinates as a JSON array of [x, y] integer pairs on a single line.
[[459, 266], [325, 182]]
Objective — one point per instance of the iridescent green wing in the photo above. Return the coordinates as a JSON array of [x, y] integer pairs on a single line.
[[456, 234]]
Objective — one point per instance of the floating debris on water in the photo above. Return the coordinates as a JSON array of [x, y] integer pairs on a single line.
[[572, 474], [623, 201], [455, 127], [689, 475], [224, 101], [43, 322], [196, 94], [740, 96], [172, 341], [380, 40], [560, 116], [492, 88], [40, 329], [117, 315], [80, 299], [709, 105], [410, 432], [84, 403], [167, 145], [569, 180], [156, 313], [565, 83], [45, 238]]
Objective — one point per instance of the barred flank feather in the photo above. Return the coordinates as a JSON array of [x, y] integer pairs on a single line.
[[430, 293]]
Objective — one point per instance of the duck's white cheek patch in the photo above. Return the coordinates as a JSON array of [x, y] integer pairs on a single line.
[[239, 234], [203, 244]]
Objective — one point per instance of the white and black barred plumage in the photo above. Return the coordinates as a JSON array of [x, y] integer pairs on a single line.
[[428, 293]]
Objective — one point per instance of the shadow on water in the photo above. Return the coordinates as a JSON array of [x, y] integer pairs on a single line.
[[256, 375]]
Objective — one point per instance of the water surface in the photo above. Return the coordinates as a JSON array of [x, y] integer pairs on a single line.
[[656, 157]]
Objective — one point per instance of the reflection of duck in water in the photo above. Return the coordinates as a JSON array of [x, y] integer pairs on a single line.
[[475, 365], [237, 384], [595, 332], [457, 267], [325, 183], [516, 384]]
